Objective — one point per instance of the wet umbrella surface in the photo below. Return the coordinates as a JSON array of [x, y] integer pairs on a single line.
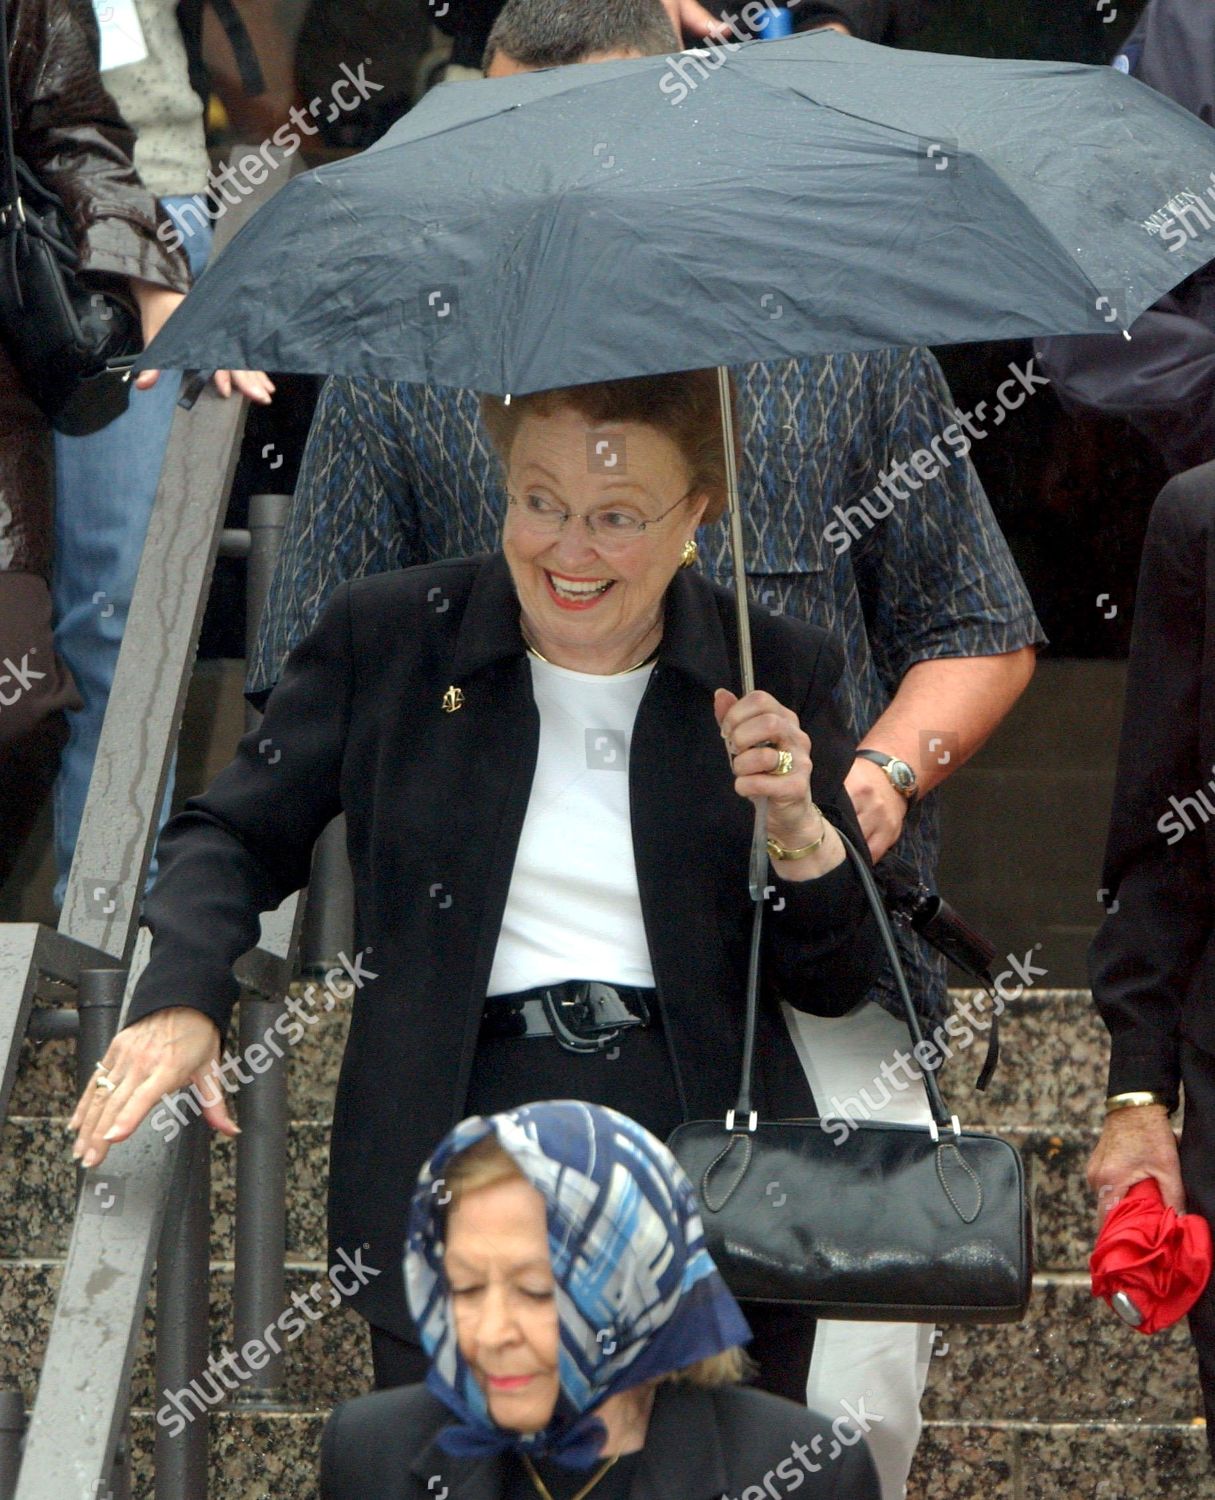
[[815, 194]]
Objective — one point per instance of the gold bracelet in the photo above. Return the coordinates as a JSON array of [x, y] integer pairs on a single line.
[[777, 850], [1135, 1099]]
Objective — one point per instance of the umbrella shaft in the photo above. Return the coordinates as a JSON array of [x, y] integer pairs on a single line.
[[758, 871], [737, 556]]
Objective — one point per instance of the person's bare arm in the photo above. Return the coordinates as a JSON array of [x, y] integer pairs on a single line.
[[960, 699]]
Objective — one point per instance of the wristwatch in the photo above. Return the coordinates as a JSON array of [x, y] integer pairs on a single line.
[[900, 775]]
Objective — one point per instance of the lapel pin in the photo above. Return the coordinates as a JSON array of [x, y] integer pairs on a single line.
[[453, 699]]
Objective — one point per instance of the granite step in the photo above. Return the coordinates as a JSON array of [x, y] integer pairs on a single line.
[[1068, 1404], [255, 1454], [39, 1190], [1070, 1360], [1062, 1461]]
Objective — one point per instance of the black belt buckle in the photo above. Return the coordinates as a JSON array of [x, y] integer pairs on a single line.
[[588, 1016]]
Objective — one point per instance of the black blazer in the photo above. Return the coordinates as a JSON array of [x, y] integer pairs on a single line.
[[701, 1445], [1152, 963], [435, 802]]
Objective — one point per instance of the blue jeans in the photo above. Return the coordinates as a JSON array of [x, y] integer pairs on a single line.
[[104, 488]]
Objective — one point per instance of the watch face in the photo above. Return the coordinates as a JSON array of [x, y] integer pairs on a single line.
[[902, 775]]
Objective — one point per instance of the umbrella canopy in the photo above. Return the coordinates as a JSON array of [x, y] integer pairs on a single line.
[[808, 195]]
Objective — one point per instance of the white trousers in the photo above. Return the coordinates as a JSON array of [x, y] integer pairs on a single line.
[[885, 1365]]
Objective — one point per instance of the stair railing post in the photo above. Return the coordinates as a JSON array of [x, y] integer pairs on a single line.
[[183, 1323], [12, 1430], [261, 1151]]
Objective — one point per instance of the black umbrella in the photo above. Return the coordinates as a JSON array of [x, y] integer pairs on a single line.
[[814, 194], [779, 199]]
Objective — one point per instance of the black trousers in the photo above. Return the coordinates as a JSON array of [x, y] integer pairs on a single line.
[[1198, 1174], [783, 1343]]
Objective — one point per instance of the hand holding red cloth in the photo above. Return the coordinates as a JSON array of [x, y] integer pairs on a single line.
[[1159, 1258]]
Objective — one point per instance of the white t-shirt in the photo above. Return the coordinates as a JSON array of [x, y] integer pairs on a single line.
[[574, 911]]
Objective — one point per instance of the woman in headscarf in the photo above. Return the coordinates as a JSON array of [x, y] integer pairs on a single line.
[[580, 1337]]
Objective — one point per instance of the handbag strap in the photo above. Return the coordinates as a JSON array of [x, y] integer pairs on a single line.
[[743, 1109]]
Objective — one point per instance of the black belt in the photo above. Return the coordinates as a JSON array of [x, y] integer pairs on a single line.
[[582, 1014]]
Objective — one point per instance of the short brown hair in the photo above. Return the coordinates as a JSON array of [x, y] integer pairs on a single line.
[[551, 33], [684, 406]]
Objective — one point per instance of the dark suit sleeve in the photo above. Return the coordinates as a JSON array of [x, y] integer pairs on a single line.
[[1162, 380], [822, 945], [246, 843], [1144, 956]]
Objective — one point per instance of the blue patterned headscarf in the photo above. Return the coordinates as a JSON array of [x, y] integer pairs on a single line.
[[637, 1294]]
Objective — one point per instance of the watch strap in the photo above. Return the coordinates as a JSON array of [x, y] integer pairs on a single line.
[[879, 758]]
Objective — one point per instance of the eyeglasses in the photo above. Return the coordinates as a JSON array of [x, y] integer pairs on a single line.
[[610, 526]]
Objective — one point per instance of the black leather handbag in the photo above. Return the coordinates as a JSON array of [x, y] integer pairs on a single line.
[[73, 345], [860, 1219]]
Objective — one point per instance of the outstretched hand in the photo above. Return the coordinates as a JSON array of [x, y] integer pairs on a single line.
[[156, 305], [147, 1060]]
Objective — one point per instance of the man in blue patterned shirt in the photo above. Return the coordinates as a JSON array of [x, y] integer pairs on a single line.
[[862, 514]]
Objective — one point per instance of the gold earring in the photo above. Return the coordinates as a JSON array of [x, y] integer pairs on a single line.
[[689, 554]]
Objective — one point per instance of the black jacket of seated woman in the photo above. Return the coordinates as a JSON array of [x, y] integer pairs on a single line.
[[548, 781]]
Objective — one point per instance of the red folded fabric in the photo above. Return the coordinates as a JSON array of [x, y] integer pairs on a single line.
[[1159, 1258]]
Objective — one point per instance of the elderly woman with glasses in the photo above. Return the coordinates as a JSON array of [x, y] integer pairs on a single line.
[[548, 776], [579, 1335]]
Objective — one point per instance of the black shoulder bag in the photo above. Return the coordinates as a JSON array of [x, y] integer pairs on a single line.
[[72, 345], [859, 1219]]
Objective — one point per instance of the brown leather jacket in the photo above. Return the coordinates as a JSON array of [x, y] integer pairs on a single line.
[[69, 131]]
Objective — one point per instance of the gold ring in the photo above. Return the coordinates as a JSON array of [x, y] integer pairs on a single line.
[[784, 763], [102, 1080]]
